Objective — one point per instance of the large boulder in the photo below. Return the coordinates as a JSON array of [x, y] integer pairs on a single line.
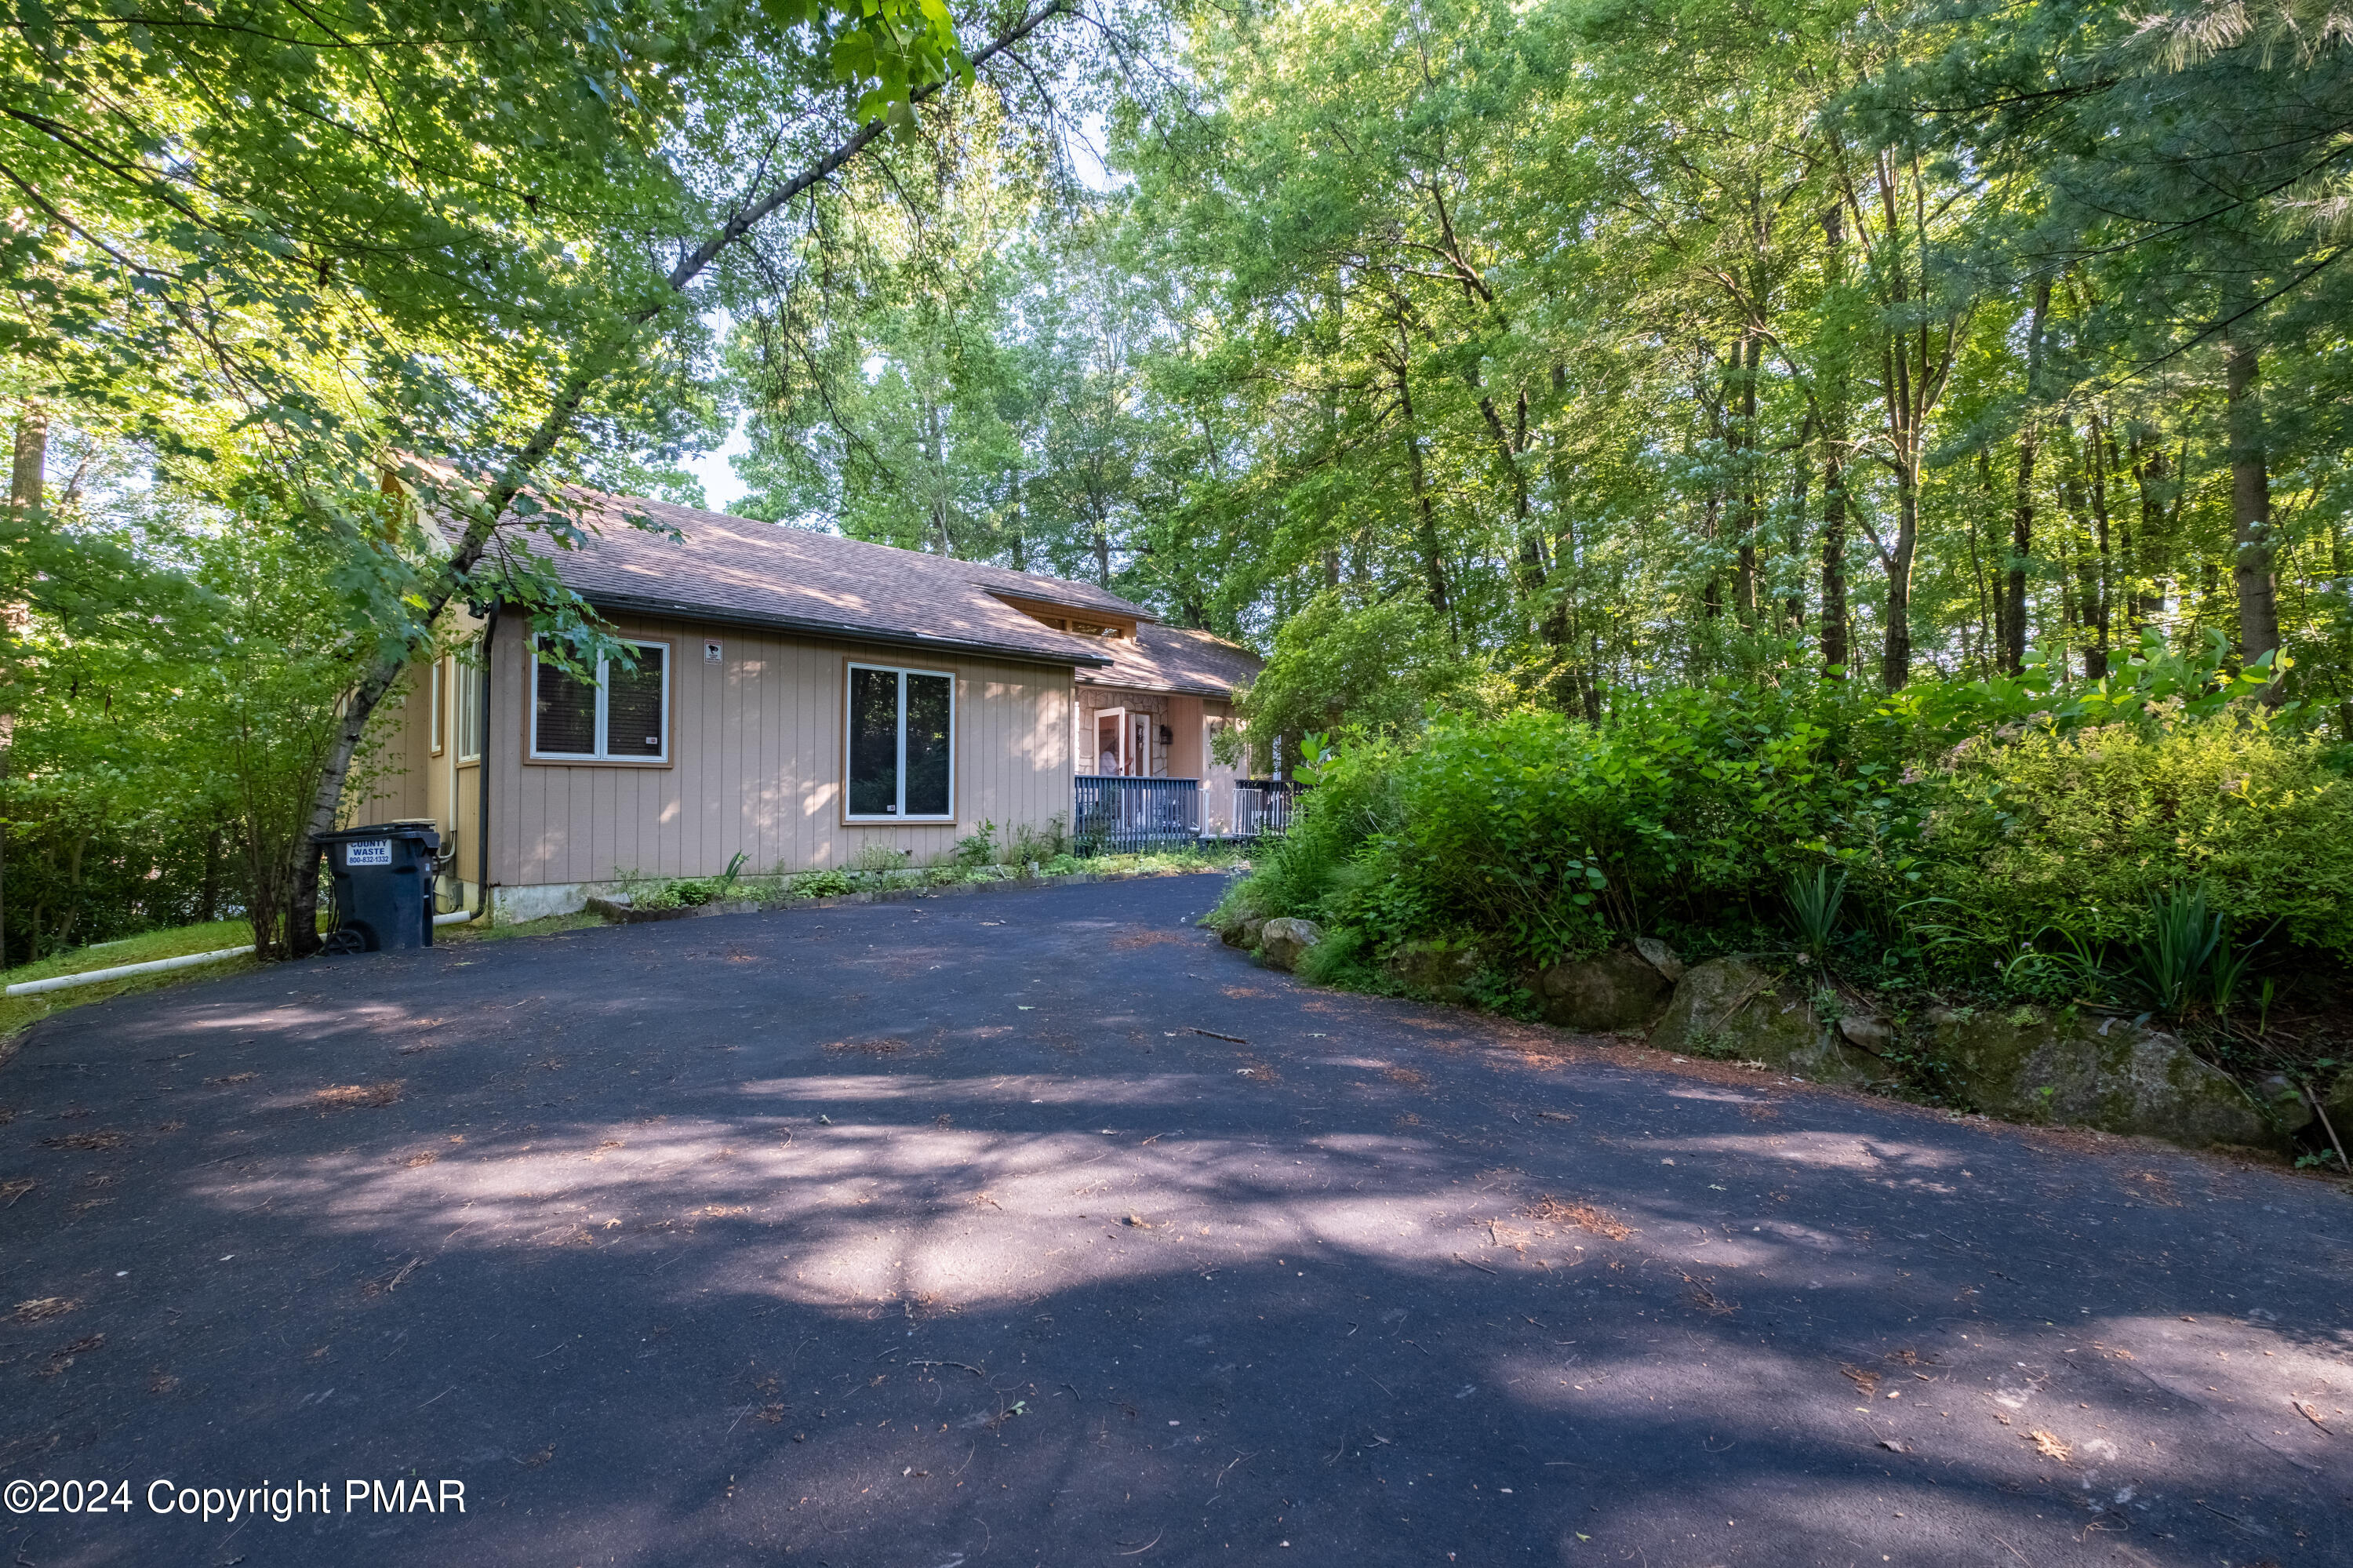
[[1612, 990], [2031, 1064], [1737, 1009], [1283, 942], [1241, 930], [1436, 968]]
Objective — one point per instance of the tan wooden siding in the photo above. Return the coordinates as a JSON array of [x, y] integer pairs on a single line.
[[395, 760], [755, 758]]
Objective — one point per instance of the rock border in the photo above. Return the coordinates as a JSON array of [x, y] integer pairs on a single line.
[[2110, 1073]]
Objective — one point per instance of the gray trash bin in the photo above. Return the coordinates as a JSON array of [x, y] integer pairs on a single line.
[[383, 876]]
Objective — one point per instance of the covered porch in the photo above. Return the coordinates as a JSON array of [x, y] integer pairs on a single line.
[[1115, 815]]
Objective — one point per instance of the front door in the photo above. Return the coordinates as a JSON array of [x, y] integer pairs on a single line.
[[1111, 751]]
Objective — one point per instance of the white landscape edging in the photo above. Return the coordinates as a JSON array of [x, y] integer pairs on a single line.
[[124, 971]]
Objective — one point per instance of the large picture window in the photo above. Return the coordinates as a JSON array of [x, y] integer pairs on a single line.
[[902, 745], [621, 716]]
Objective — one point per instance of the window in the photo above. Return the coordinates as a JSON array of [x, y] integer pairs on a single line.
[[466, 688], [433, 678], [619, 718], [902, 745]]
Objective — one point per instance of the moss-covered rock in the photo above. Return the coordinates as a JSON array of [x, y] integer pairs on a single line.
[[2338, 1103], [1438, 970], [1740, 1009], [2031, 1064], [2283, 1103], [1617, 990], [1283, 941], [1243, 931]]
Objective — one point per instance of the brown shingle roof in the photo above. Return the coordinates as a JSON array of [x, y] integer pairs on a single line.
[[1173, 659], [726, 568]]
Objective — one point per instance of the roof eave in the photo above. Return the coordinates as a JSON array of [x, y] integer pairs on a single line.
[[844, 631], [1224, 694]]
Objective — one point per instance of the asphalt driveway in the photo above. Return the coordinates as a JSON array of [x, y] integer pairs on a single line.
[[1038, 1227]]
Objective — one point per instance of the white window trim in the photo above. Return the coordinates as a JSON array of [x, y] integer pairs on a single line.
[[436, 735], [604, 752], [902, 671], [466, 674]]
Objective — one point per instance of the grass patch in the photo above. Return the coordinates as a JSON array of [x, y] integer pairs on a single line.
[[19, 1013], [177, 942]]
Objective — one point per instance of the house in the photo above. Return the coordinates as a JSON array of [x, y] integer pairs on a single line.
[[800, 699]]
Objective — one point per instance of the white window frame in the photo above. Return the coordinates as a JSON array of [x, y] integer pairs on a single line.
[[902, 671], [604, 752], [466, 712], [436, 737]]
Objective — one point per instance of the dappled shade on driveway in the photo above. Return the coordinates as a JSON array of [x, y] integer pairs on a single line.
[[1041, 1227]]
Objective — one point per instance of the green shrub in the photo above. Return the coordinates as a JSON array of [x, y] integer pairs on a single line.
[[978, 847], [1551, 834], [2088, 833], [2029, 857], [1039, 844]]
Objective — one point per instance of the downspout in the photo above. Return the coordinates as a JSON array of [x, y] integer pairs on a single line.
[[482, 778]]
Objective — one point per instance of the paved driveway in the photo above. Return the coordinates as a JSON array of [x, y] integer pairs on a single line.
[[1036, 1227]]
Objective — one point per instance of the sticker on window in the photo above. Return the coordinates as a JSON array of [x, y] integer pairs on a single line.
[[372, 852]]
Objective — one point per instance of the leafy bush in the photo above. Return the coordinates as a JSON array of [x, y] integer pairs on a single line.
[[1958, 832], [1553, 835], [978, 847], [2088, 833], [1039, 844]]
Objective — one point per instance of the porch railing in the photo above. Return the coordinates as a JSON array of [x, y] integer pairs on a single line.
[[1263, 806], [1121, 816]]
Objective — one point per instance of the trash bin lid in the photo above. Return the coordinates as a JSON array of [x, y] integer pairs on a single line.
[[412, 828]]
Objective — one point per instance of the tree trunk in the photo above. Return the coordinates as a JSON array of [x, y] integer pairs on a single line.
[[208, 893], [1433, 558], [1793, 606], [2251, 496], [2094, 576], [2021, 531], [1837, 655], [1895, 660], [1746, 355], [27, 477]]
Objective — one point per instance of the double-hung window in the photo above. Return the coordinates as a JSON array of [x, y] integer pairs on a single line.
[[900, 745], [621, 716], [466, 704]]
